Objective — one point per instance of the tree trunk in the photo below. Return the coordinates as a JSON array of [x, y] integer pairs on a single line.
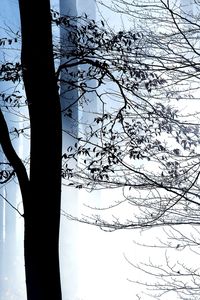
[[42, 202]]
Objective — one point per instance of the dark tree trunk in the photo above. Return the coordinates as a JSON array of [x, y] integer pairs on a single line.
[[42, 202]]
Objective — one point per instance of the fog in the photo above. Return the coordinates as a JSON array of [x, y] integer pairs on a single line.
[[93, 264]]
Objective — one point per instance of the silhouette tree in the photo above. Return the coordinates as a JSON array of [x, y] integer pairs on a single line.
[[41, 197], [40, 194], [138, 142]]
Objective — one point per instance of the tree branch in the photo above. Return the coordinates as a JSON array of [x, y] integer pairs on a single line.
[[12, 156]]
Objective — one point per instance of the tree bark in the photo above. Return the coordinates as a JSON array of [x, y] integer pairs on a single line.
[[42, 205]]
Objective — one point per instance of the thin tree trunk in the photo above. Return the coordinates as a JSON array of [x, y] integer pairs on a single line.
[[42, 205]]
